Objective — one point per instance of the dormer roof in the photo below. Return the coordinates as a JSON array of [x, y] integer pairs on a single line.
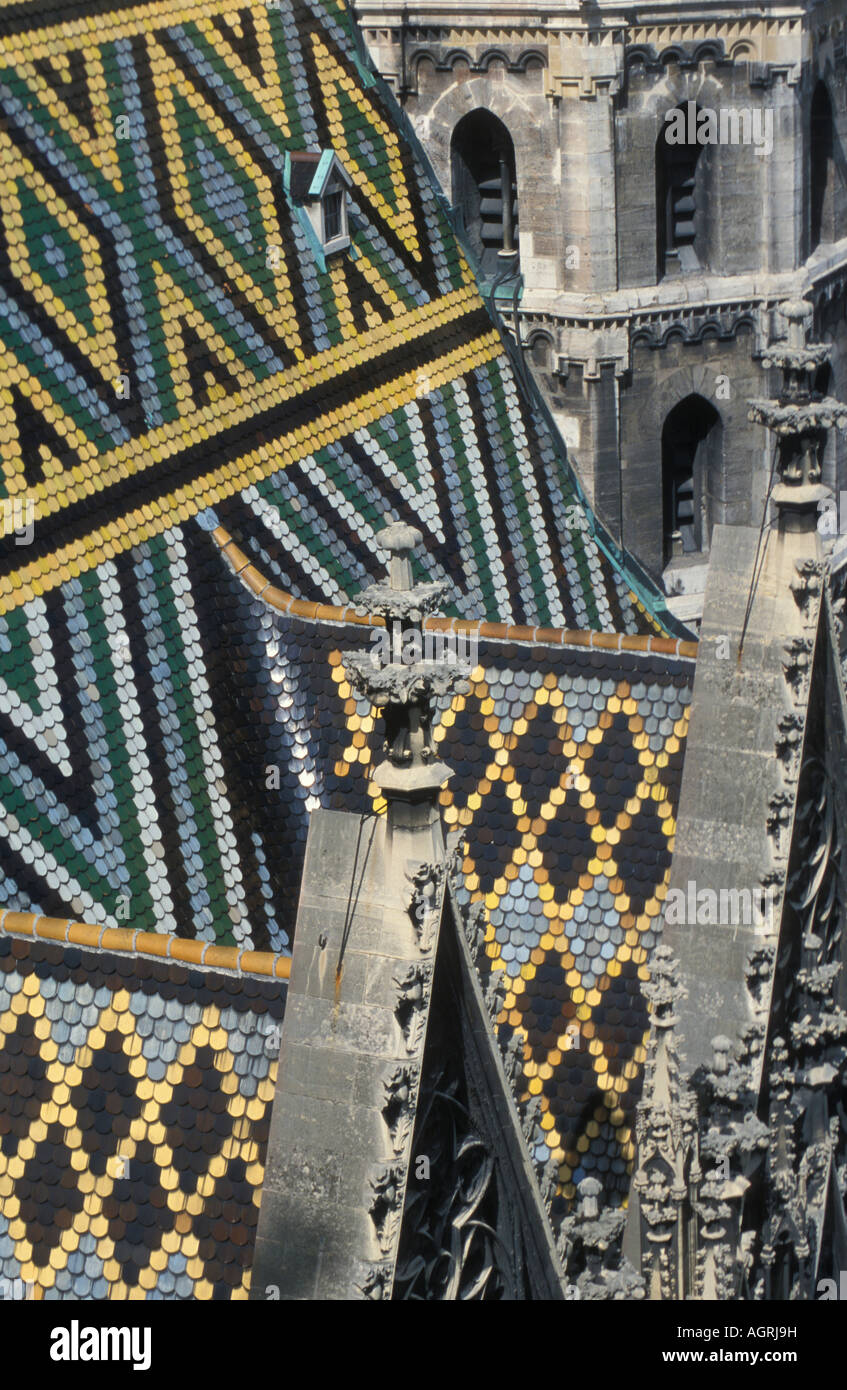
[[313, 172]]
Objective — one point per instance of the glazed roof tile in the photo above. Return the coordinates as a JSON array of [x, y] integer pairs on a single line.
[[170, 343], [292, 407], [567, 759], [176, 362], [135, 1099]]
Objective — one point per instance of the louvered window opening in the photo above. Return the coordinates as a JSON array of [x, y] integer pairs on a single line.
[[691, 460], [681, 202], [682, 535], [498, 210], [679, 215], [485, 188]]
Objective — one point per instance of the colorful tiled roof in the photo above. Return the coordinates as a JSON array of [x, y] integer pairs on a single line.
[[169, 341], [567, 754], [150, 703], [568, 758], [607, 710], [175, 359], [135, 1098], [163, 373]]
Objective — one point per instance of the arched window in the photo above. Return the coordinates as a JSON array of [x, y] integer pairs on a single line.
[[822, 169], [679, 195], [485, 186], [692, 463], [541, 351]]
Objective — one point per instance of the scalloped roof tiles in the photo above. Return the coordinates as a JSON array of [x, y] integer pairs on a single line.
[[175, 360], [135, 1099], [142, 150], [168, 339], [567, 761]]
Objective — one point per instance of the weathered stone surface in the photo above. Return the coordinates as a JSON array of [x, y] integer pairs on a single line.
[[615, 342], [355, 941], [732, 774]]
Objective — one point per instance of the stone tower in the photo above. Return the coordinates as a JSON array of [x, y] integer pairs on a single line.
[[667, 181]]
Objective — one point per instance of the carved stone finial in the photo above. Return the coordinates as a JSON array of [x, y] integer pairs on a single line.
[[410, 672], [663, 989], [799, 419], [721, 1048], [590, 1192], [400, 540], [797, 312]]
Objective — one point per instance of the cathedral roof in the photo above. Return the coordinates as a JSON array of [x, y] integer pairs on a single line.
[[177, 363], [136, 1083], [167, 372], [171, 342], [567, 755]]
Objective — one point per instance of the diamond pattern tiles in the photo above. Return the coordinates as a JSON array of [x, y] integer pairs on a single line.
[[568, 765], [169, 338], [568, 761], [575, 766], [136, 1098], [165, 781]]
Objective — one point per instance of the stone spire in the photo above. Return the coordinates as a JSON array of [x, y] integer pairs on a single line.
[[660, 1230], [372, 905], [800, 419], [403, 677]]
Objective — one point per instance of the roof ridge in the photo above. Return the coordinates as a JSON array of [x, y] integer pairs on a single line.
[[128, 941], [283, 602]]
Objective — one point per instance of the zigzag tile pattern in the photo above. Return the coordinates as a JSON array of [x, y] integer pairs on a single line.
[[112, 770], [142, 158], [568, 762], [168, 336], [135, 1103], [174, 358]]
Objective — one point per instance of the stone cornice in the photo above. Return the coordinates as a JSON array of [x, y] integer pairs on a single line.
[[570, 14], [481, 24], [606, 327], [584, 59]]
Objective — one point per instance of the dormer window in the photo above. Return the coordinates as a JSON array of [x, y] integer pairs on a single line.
[[334, 219], [318, 184]]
